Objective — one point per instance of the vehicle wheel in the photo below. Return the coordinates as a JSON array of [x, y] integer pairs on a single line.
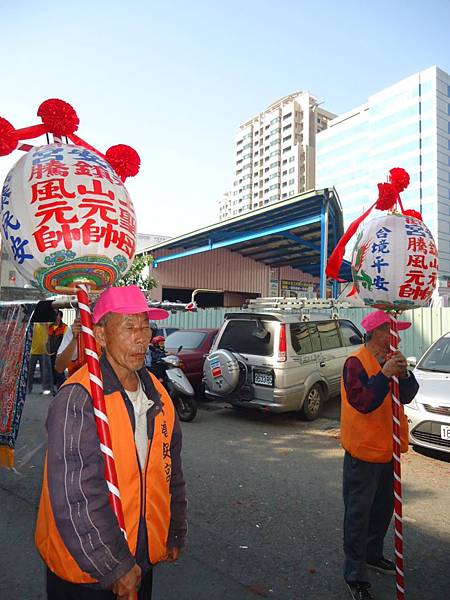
[[186, 407], [313, 403]]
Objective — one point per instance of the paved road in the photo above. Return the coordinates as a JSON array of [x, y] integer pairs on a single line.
[[265, 513]]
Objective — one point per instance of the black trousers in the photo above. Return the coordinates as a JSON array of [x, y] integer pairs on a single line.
[[369, 505], [59, 589]]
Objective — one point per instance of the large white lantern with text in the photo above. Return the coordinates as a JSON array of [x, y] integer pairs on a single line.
[[66, 218], [394, 262]]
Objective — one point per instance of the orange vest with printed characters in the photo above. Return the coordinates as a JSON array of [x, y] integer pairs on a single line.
[[369, 436], [154, 495]]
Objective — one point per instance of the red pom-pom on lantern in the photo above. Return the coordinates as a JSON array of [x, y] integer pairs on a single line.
[[415, 214], [124, 160], [8, 137], [399, 178], [59, 117], [387, 196]]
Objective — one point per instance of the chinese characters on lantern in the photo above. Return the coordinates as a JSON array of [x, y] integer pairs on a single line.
[[11, 228], [422, 265], [380, 253], [81, 200]]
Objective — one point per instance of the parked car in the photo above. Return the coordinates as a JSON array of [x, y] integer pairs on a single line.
[[276, 361], [195, 345], [165, 331], [429, 413]]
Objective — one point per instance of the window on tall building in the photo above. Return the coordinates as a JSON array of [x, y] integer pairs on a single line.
[[287, 115], [291, 159], [285, 161], [291, 181], [267, 148], [285, 184], [292, 170], [284, 173], [287, 126], [287, 149], [284, 196], [288, 137]]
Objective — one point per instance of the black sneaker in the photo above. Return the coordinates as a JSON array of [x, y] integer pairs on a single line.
[[382, 565], [359, 591]]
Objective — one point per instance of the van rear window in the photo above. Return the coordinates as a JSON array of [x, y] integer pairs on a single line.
[[248, 337]]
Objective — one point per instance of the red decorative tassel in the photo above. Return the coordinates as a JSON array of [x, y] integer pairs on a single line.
[[335, 260], [124, 160], [8, 137], [387, 196], [59, 117]]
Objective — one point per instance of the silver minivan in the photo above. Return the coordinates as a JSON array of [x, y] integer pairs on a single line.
[[276, 361]]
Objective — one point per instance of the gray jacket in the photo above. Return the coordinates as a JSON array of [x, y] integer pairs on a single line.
[[77, 486]]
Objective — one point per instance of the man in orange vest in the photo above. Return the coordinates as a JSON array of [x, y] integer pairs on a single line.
[[77, 533], [366, 435]]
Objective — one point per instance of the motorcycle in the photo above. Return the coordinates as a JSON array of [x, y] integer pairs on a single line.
[[168, 369]]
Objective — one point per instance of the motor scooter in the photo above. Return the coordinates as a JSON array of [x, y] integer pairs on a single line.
[[168, 368]]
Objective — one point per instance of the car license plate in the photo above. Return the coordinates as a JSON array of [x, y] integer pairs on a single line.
[[445, 432], [260, 378]]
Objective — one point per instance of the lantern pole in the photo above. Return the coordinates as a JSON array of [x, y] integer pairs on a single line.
[[98, 400], [398, 509], [96, 383]]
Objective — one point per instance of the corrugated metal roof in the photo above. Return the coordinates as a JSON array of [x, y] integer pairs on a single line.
[[287, 233]]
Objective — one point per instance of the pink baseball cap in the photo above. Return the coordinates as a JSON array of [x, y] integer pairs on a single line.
[[379, 317], [127, 300]]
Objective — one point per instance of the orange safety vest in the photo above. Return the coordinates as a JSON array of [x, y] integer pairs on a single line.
[[155, 495], [369, 436]]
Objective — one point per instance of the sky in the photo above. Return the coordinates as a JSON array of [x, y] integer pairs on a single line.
[[175, 79]]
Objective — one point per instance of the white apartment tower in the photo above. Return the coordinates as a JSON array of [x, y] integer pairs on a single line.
[[275, 154]]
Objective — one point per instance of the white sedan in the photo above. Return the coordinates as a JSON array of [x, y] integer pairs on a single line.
[[429, 413]]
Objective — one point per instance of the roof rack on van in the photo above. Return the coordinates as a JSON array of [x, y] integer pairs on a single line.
[[296, 305]]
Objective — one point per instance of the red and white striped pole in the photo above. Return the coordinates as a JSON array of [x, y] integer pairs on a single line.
[[398, 522], [95, 378]]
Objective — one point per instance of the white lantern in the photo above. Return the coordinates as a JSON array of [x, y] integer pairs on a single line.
[[67, 218], [394, 263]]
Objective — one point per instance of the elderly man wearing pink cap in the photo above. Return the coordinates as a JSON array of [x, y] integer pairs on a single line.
[[366, 435], [77, 534]]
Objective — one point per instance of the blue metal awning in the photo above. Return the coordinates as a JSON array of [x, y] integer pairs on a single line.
[[300, 232]]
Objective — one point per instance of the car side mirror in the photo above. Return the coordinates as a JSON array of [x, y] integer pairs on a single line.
[[411, 361]]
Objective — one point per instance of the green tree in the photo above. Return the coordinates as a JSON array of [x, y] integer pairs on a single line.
[[139, 273]]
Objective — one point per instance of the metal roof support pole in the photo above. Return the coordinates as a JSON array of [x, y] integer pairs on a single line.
[[323, 245], [335, 284]]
